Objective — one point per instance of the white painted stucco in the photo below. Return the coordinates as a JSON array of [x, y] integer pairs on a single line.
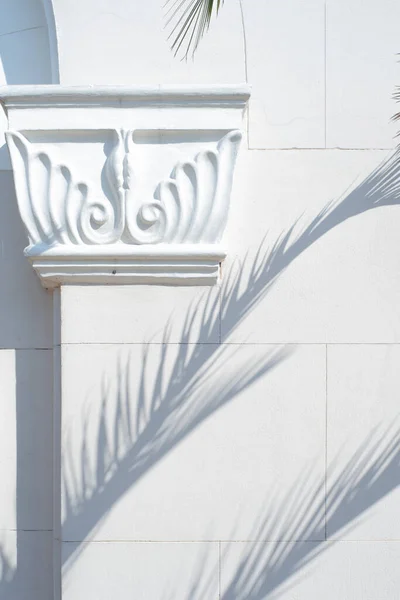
[[239, 441]]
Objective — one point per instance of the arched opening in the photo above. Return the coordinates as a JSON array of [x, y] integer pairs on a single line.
[[28, 50], [26, 43]]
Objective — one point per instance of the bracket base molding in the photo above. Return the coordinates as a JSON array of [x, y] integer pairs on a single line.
[[124, 185], [194, 264]]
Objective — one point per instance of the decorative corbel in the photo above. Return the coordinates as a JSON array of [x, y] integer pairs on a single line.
[[124, 185]]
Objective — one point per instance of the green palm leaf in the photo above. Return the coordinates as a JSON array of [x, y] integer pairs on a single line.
[[187, 21]]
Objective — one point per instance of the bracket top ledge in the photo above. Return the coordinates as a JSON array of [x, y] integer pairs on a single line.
[[160, 95]]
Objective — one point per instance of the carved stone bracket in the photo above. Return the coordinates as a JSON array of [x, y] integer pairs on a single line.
[[124, 185]]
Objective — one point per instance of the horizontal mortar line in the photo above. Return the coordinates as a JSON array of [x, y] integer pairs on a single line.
[[223, 541], [372, 540], [299, 343], [130, 541], [22, 30], [229, 541], [323, 149], [199, 343], [217, 343], [26, 348], [28, 530]]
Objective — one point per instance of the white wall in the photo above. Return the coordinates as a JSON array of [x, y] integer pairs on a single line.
[[25, 346], [265, 462]]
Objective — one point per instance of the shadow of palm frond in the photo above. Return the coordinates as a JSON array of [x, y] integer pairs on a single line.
[[381, 188], [193, 387], [294, 532], [396, 97], [372, 473], [185, 396], [182, 397], [8, 572], [6, 568]]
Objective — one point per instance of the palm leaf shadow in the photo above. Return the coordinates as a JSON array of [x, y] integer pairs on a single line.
[[381, 188], [194, 387], [176, 405], [291, 534], [164, 416], [396, 97], [372, 473]]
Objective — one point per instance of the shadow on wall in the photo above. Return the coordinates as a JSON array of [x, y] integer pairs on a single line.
[[289, 536], [147, 425], [135, 430], [25, 49], [25, 308], [25, 58], [28, 50]]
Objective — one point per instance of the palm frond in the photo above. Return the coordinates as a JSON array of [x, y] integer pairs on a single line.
[[187, 21], [396, 97]]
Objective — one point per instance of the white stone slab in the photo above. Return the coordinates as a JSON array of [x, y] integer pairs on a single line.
[[232, 427], [364, 438], [334, 282], [28, 576], [356, 570], [26, 439], [285, 44], [143, 571], [138, 314], [25, 308], [8, 450], [128, 43], [362, 72], [34, 402]]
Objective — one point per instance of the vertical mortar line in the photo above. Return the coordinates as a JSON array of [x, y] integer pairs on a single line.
[[325, 69], [220, 315], [326, 442], [57, 561]]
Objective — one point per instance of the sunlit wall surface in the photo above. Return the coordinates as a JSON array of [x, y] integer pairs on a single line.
[[240, 443]]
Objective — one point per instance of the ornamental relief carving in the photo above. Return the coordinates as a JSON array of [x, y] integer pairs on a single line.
[[124, 185], [121, 201]]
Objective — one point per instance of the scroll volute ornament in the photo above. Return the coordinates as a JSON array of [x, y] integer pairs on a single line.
[[124, 185]]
